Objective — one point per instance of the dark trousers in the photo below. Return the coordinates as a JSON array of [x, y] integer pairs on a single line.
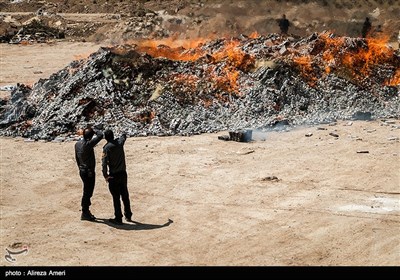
[[118, 186], [88, 179]]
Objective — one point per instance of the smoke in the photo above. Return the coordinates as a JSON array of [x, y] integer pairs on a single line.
[[259, 135]]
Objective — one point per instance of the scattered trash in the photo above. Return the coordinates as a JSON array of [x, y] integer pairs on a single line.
[[238, 136], [385, 121], [309, 134], [270, 178], [224, 137], [362, 152], [8, 88], [241, 135], [245, 152], [333, 134], [362, 116]]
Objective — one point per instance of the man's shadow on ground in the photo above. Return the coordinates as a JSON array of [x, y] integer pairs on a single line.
[[134, 225]]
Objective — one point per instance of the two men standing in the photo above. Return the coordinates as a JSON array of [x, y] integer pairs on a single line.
[[114, 171]]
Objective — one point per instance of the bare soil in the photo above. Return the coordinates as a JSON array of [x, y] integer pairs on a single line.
[[27, 64], [326, 205]]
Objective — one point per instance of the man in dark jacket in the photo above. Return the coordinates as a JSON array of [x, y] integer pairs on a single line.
[[84, 155], [283, 24], [114, 171], [366, 29]]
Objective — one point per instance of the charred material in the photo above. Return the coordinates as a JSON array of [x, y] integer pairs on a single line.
[[241, 135], [225, 84]]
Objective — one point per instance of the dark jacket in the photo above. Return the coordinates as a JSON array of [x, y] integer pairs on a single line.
[[84, 153], [284, 25], [366, 28], [114, 157]]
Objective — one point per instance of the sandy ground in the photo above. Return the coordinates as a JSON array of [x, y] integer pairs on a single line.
[[28, 63], [328, 204]]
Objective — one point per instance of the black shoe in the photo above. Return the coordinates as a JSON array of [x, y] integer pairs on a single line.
[[129, 219], [88, 217], [115, 221]]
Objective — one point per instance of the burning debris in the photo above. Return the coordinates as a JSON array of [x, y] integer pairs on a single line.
[[224, 84]]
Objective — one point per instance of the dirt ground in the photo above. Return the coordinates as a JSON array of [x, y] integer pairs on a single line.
[[28, 63], [326, 205]]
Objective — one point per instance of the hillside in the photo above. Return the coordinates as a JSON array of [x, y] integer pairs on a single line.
[[115, 21]]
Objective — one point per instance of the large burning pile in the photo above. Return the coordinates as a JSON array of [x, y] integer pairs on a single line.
[[154, 88]]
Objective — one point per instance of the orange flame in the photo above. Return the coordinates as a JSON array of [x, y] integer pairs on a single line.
[[363, 60], [360, 57], [254, 35], [395, 80], [183, 50], [304, 62], [333, 46], [188, 80], [305, 65], [232, 57], [235, 60], [25, 43]]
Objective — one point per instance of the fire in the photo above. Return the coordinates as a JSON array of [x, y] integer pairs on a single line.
[[395, 80], [235, 59], [188, 80], [365, 58], [172, 42], [145, 117], [254, 35], [233, 55], [227, 80], [305, 65], [355, 56], [25, 43], [333, 46], [230, 56], [304, 62], [182, 50]]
